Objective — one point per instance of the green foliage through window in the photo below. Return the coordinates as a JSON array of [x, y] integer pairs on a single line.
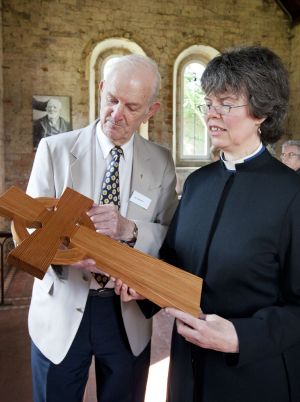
[[194, 138]]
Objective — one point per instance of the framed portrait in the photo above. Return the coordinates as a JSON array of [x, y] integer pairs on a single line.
[[50, 115]]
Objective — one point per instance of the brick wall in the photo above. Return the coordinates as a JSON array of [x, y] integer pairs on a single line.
[[1, 110], [2, 174], [46, 44]]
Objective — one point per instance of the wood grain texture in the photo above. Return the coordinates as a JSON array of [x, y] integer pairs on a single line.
[[64, 256], [156, 280], [37, 251], [64, 223]]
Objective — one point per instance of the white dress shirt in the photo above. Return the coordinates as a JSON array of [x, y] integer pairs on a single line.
[[230, 165], [104, 145]]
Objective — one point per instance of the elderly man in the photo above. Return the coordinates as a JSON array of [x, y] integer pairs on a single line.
[[290, 155], [51, 123], [72, 316]]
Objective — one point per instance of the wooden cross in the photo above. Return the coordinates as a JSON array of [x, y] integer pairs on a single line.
[[67, 225]]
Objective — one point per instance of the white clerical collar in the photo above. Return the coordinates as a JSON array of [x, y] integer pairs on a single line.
[[230, 165], [106, 145]]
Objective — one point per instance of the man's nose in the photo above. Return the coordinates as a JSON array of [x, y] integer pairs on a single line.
[[117, 112]]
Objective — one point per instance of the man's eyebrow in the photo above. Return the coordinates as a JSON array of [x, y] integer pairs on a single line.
[[131, 104], [114, 96]]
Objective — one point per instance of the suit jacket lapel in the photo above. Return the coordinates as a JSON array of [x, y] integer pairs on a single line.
[[88, 166], [85, 167], [142, 180]]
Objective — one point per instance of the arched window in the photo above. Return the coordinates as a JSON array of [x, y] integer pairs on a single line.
[[190, 142], [107, 65], [101, 59], [193, 142]]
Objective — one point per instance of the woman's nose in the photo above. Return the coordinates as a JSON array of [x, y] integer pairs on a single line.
[[212, 111]]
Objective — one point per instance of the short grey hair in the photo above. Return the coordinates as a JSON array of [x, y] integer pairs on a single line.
[[257, 73], [291, 143], [137, 60], [55, 100]]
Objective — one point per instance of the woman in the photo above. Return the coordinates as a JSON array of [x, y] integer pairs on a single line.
[[238, 227]]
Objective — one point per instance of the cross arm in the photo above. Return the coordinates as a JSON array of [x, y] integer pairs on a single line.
[[14, 203], [156, 280]]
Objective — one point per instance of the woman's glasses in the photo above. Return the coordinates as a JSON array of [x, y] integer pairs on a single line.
[[222, 109]]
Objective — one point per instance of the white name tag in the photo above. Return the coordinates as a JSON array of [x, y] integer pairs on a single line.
[[140, 199]]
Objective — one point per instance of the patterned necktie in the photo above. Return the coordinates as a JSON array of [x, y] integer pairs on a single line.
[[110, 194]]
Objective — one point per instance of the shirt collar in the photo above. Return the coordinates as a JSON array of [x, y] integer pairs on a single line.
[[230, 165], [106, 145]]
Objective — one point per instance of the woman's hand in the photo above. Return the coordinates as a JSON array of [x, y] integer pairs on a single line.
[[209, 331], [126, 293]]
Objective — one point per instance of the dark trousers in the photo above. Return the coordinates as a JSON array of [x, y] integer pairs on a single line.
[[120, 376]]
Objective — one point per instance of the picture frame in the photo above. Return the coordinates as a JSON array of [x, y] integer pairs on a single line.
[[51, 115]]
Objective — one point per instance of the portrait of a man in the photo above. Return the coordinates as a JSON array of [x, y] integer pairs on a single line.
[[51, 115]]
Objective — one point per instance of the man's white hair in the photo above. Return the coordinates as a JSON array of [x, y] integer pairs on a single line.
[[136, 60], [292, 143], [55, 100]]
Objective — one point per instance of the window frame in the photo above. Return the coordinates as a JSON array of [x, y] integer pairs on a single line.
[[180, 138], [200, 54], [98, 55]]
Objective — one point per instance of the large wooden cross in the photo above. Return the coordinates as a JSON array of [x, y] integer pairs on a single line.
[[67, 224]]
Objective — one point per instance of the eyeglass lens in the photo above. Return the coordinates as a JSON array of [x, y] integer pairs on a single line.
[[288, 155]]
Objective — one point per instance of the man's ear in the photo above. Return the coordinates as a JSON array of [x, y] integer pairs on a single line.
[[100, 86], [153, 109]]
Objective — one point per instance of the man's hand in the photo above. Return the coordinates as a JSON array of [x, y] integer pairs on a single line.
[[110, 222]]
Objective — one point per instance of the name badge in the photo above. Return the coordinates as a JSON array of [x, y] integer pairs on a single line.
[[140, 199]]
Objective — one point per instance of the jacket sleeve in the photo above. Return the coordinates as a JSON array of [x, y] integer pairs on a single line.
[[273, 330], [41, 182]]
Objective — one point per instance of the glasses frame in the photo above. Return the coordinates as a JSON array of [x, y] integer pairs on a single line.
[[221, 109], [289, 155]]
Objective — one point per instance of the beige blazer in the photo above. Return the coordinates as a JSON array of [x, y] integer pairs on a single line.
[[69, 160]]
